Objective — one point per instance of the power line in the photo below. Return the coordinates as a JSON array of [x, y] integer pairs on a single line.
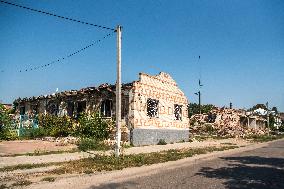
[[50, 14], [65, 57]]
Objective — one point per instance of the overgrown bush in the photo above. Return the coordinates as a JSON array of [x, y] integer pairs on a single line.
[[281, 128], [94, 126], [208, 128], [31, 133], [55, 126], [87, 126], [92, 144], [7, 131]]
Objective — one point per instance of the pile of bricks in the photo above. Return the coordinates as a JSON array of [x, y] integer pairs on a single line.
[[223, 122]]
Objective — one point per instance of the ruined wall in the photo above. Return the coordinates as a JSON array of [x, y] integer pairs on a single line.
[[165, 95], [227, 122]]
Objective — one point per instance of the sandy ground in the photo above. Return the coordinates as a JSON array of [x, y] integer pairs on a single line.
[[30, 146]]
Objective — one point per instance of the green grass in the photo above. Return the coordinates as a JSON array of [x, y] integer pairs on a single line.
[[27, 166], [86, 144], [22, 183], [48, 179], [110, 163], [264, 138], [3, 186]]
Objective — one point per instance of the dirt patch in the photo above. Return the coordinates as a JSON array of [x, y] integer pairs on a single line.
[[31, 146]]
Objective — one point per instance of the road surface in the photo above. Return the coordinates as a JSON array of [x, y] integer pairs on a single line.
[[255, 169]]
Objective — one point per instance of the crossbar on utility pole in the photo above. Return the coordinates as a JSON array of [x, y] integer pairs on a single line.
[[118, 93]]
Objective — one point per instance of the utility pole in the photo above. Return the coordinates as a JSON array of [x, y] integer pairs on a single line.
[[118, 92], [200, 85], [267, 114], [199, 101]]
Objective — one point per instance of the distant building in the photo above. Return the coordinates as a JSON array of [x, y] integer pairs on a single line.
[[153, 107], [8, 106], [260, 111]]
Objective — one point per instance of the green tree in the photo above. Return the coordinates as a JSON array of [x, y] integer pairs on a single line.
[[271, 121], [6, 130], [275, 109], [193, 108], [257, 106]]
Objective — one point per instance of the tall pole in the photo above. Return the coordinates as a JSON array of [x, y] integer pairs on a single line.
[[267, 114], [199, 101], [200, 85], [118, 92]]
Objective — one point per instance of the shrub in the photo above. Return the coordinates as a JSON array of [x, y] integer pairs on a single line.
[[48, 179], [31, 133], [55, 126], [193, 108], [7, 132], [281, 128], [94, 126], [92, 144], [209, 128], [162, 142]]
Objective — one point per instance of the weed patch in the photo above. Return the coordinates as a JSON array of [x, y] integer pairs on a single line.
[[27, 166], [92, 144], [264, 138], [22, 183], [3, 186], [109, 163], [48, 179], [162, 142], [40, 153], [227, 143]]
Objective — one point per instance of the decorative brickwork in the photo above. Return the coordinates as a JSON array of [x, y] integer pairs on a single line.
[[165, 90]]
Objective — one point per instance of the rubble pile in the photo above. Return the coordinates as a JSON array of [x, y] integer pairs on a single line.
[[61, 141], [225, 122]]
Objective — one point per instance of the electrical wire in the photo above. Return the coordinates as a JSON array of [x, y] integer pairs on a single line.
[[65, 57], [55, 15]]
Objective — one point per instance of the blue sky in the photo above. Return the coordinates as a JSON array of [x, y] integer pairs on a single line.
[[241, 44]]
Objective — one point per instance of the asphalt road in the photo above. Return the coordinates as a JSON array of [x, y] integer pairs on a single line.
[[256, 169]]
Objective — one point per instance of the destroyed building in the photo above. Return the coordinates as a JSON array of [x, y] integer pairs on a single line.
[[230, 122], [153, 108]]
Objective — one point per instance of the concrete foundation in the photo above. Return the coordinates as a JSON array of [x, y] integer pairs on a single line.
[[140, 137]]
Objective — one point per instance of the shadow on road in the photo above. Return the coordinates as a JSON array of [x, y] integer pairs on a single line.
[[123, 185], [249, 172]]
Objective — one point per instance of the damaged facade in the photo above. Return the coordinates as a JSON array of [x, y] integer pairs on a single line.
[[153, 107]]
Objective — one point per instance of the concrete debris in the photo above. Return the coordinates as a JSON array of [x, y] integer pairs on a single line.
[[61, 141], [228, 123]]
